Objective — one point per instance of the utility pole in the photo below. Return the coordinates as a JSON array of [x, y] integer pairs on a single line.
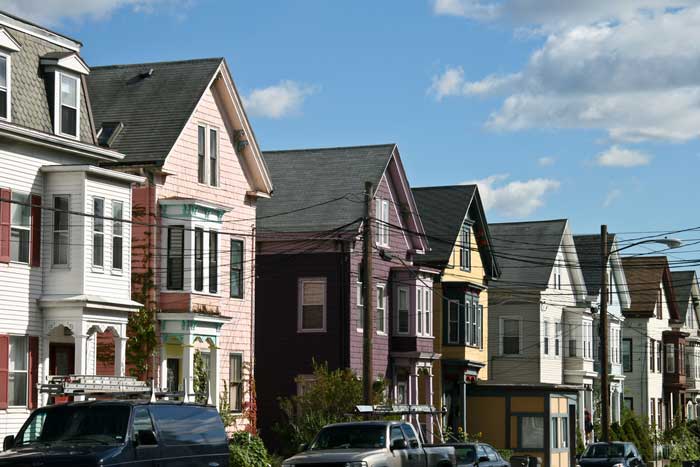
[[604, 385], [368, 308]]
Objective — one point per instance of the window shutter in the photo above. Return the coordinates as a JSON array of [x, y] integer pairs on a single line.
[[33, 376], [4, 369], [35, 256], [5, 222]]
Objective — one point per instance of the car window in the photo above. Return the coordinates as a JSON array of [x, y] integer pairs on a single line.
[[465, 454], [481, 451], [396, 433], [188, 425], [491, 452], [142, 421], [410, 435]]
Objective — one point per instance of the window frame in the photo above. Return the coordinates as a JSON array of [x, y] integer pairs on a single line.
[[98, 233], [383, 217], [120, 225], [428, 311], [58, 104], [465, 247], [670, 357], [213, 263], [181, 256], [300, 304], [501, 334], [10, 371], [55, 231], [238, 384], [240, 270], [360, 302], [8, 86], [557, 338], [202, 156], [545, 337], [420, 319], [213, 156], [204, 159], [25, 230], [628, 340], [383, 330], [399, 311], [451, 302], [198, 250]]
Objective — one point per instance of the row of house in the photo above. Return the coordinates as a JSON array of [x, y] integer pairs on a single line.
[[142, 189]]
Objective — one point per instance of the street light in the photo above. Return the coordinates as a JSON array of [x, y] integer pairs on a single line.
[[670, 243]]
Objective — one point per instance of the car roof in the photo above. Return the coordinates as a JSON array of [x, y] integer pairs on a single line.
[[130, 402], [367, 423]]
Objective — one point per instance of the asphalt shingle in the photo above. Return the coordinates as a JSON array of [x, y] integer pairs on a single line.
[[588, 251]]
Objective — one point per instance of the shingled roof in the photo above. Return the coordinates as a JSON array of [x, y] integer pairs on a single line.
[[152, 100], [645, 274], [683, 282], [313, 177], [443, 210], [526, 252], [588, 251]]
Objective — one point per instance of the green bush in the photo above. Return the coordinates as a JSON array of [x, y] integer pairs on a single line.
[[683, 442], [247, 450]]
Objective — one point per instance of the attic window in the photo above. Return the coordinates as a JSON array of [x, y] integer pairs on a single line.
[[68, 110], [4, 86], [108, 133]]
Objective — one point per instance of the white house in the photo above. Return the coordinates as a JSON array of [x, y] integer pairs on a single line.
[[65, 234]]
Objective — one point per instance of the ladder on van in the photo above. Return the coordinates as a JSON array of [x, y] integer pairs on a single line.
[[412, 412], [93, 386]]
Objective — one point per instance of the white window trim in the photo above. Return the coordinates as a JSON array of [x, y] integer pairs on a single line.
[[25, 371], [207, 262], [557, 339], [96, 267], [398, 311], [428, 311], [450, 341], [383, 307], [383, 229], [57, 104], [300, 300], [420, 317], [545, 338], [8, 71], [117, 271], [53, 233], [501, 336], [22, 228], [465, 247], [208, 128], [360, 306]]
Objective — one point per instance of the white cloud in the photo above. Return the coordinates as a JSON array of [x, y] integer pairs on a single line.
[[280, 100], [611, 196], [451, 83], [634, 77], [51, 12], [516, 198], [473, 9], [546, 161], [616, 156]]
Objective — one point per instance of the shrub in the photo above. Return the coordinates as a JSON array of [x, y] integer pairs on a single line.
[[684, 444], [247, 450]]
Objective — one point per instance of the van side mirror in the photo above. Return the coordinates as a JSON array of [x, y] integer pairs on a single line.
[[8, 442], [483, 459], [303, 447], [398, 444], [146, 438]]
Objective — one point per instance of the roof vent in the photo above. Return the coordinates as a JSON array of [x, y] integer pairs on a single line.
[[147, 74], [109, 131]]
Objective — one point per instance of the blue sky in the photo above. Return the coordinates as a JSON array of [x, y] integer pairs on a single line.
[[588, 112]]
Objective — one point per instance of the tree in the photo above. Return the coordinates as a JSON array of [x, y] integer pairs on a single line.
[[201, 379]]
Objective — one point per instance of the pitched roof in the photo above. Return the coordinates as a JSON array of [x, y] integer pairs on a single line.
[[313, 177], [443, 210], [154, 106], [644, 276], [683, 282], [526, 252], [588, 251]]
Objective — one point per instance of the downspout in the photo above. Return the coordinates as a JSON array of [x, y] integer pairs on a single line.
[[252, 302]]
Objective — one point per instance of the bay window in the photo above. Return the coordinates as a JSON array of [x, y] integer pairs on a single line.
[[402, 318], [452, 322], [670, 358], [419, 311], [61, 233], [198, 259], [428, 305], [176, 258], [213, 261]]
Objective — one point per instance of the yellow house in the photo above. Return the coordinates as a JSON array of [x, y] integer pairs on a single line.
[[460, 248]]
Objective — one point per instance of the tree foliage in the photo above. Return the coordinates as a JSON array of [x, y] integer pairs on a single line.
[[201, 379], [247, 450]]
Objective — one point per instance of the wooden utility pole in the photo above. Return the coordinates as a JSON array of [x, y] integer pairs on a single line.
[[604, 384], [368, 308]]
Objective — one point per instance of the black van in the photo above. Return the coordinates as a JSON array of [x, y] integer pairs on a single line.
[[116, 433]]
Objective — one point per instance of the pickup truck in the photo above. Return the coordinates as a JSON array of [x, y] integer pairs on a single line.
[[371, 444]]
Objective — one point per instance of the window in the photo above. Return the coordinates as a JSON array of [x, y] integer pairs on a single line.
[[201, 154], [532, 432], [479, 322], [564, 421], [546, 337], [61, 221], [312, 305], [660, 413], [198, 259], [428, 304], [629, 403], [511, 336], [5, 87], [396, 434], [213, 157], [473, 312], [401, 392], [188, 425], [236, 268], [611, 285], [659, 304], [659, 352], [382, 215], [20, 230], [117, 234], [627, 355], [176, 258], [98, 232], [17, 371], [213, 261], [360, 307], [554, 432], [557, 338], [419, 311], [652, 353], [402, 319], [381, 309], [652, 406], [572, 341], [142, 421], [670, 358], [465, 248], [453, 322], [69, 103], [173, 374], [236, 382], [467, 321]]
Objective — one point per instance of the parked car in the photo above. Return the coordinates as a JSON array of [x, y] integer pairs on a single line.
[[615, 454], [119, 433], [478, 454], [372, 444]]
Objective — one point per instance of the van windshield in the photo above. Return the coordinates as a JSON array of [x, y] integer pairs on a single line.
[[84, 424], [350, 437], [604, 451]]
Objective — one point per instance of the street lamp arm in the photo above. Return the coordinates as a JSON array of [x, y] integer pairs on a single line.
[[669, 242]]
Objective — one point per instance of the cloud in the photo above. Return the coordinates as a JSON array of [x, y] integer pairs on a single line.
[[516, 198], [51, 12], [451, 83], [616, 156], [629, 72], [611, 197], [473, 9], [546, 161], [280, 100]]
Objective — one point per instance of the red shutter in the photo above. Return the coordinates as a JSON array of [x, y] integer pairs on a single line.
[[35, 256], [4, 369], [5, 222], [33, 376]]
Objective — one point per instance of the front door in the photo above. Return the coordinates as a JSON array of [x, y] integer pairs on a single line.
[[61, 363]]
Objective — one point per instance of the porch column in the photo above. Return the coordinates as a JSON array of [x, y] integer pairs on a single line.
[[214, 362], [80, 361], [188, 368], [119, 356], [45, 366], [164, 367], [463, 408], [429, 399], [413, 385], [580, 409]]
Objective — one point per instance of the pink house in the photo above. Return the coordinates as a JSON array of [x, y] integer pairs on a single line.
[[183, 127]]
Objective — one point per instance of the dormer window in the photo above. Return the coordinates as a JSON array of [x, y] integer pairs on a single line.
[[69, 105], [4, 86]]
